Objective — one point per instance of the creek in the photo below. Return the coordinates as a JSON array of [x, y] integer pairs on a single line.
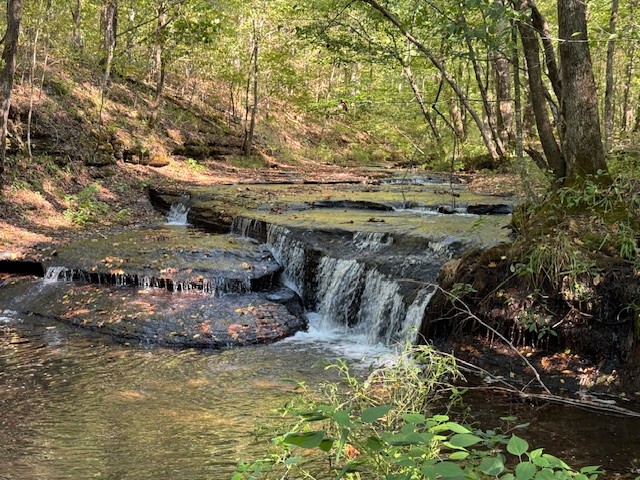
[[92, 386]]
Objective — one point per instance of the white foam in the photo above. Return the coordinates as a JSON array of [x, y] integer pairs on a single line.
[[178, 214]]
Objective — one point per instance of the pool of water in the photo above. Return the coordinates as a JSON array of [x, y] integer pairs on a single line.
[[78, 406]]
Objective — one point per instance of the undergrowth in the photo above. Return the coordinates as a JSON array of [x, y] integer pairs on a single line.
[[383, 427]]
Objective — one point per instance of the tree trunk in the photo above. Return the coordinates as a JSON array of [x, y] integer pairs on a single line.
[[160, 65], [484, 131], [582, 142], [609, 91], [109, 20], [9, 55], [504, 112], [406, 69], [251, 112], [76, 35], [488, 111], [531, 50], [627, 110]]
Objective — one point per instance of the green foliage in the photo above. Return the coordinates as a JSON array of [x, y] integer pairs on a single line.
[[354, 433], [193, 165], [85, 207]]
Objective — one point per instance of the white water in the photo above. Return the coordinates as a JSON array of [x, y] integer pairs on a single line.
[[355, 305], [178, 214], [291, 255], [56, 274]]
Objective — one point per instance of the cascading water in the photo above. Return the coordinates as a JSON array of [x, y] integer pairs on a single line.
[[350, 295], [178, 214]]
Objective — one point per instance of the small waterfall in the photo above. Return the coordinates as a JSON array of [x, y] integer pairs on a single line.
[[372, 241], [178, 214], [352, 293], [382, 310], [56, 274], [291, 255], [340, 283]]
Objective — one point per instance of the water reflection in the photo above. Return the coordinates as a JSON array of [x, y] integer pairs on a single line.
[[77, 406]]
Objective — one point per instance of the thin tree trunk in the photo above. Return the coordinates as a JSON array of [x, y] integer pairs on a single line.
[[582, 141], [609, 91], [542, 27], [9, 56], [110, 28], [76, 35], [627, 108], [160, 65], [406, 69], [484, 131], [253, 111], [485, 100], [627, 111], [531, 50]]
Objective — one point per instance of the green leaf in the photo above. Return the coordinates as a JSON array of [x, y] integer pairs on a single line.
[[453, 426], [305, 439], [458, 455], [541, 462], [493, 466], [372, 414], [341, 417], [414, 418], [374, 444], [293, 460], [449, 470], [590, 469], [326, 444], [535, 453], [545, 474], [517, 446], [556, 462], [525, 471], [464, 440]]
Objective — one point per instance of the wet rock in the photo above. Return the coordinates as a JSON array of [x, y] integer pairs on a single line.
[[154, 316], [352, 204], [486, 209], [175, 259]]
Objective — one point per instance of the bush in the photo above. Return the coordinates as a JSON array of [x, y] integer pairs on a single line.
[[380, 428]]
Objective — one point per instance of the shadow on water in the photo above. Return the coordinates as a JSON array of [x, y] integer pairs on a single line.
[[75, 405]]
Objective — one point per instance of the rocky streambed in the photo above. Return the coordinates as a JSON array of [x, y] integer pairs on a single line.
[[365, 257]]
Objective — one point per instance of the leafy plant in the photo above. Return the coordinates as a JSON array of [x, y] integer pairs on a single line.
[[358, 431], [85, 207]]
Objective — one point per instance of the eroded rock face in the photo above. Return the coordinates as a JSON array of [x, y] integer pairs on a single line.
[[172, 286]]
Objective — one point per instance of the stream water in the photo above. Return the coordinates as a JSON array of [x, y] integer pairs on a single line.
[[78, 405]]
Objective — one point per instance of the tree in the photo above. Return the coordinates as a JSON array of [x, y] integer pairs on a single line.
[[581, 140], [575, 151], [9, 56]]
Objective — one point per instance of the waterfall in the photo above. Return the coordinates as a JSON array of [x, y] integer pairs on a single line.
[[178, 214], [291, 255], [350, 293], [340, 283], [56, 274]]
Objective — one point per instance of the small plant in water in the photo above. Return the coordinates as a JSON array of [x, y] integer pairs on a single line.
[[380, 428]]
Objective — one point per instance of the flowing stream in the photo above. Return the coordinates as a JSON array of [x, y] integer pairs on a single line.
[[78, 405]]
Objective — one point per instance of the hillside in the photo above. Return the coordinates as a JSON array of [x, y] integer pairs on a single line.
[[87, 174]]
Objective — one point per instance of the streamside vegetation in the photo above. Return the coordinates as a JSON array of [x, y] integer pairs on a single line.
[[386, 427]]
